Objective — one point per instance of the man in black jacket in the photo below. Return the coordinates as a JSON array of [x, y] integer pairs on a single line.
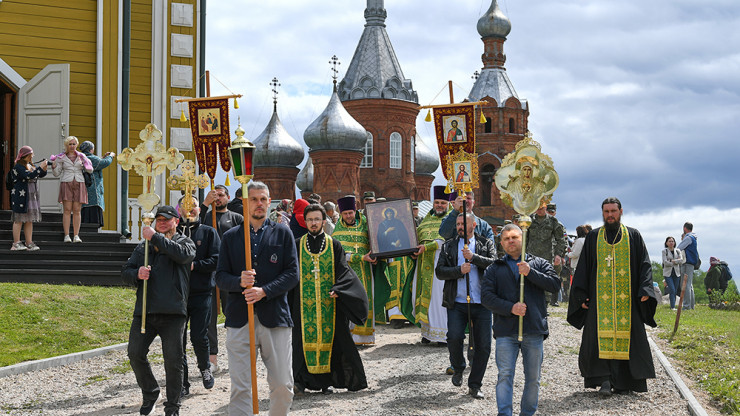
[[461, 266], [202, 282], [500, 293], [274, 273], [168, 274]]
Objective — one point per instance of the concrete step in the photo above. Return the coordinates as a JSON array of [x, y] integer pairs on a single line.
[[69, 276], [44, 236]]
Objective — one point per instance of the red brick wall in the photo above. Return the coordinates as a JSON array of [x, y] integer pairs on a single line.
[[336, 173], [280, 180]]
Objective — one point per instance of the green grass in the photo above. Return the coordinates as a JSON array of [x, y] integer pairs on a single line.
[[707, 346], [41, 321]]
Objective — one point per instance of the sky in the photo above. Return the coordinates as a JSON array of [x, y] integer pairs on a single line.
[[633, 99]]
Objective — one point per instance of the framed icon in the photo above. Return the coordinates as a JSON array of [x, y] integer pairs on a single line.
[[391, 228]]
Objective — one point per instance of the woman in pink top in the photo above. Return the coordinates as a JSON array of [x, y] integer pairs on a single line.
[[72, 190]]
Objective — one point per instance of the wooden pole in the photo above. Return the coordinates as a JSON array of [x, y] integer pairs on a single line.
[[680, 306], [250, 307]]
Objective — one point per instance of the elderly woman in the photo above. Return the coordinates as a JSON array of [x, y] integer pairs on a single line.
[[24, 198], [69, 166], [92, 212]]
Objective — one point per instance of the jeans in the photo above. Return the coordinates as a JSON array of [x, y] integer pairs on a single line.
[[674, 283], [457, 321], [688, 297], [199, 315], [507, 351], [169, 328]]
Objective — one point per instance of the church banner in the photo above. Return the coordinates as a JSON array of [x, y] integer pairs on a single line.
[[455, 129], [209, 125]]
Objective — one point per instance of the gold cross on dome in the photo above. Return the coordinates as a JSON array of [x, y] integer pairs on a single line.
[[609, 260]]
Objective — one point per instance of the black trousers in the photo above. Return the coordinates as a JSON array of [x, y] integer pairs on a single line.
[[199, 315]]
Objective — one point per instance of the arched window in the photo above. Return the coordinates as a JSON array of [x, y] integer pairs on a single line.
[[487, 125], [396, 151], [511, 125], [412, 152], [367, 161], [486, 184]]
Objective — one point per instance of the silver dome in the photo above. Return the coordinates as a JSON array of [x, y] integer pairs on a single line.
[[494, 23], [335, 129], [275, 147], [304, 182], [427, 161]]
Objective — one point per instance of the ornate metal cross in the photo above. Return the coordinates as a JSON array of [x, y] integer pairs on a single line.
[[188, 182], [150, 159]]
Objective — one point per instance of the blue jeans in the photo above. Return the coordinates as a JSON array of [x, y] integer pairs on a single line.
[[169, 328], [507, 351], [674, 283], [457, 321]]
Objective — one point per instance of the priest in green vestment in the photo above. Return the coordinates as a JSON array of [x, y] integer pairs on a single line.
[[328, 297], [422, 296], [612, 299], [351, 231]]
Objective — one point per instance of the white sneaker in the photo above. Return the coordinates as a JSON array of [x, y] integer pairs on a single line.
[[77, 239], [32, 247], [18, 247], [67, 239]]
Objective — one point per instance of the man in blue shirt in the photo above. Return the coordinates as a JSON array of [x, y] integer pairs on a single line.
[[688, 245], [447, 228], [461, 266], [500, 293]]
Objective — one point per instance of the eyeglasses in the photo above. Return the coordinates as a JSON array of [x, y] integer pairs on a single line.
[[314, 219]]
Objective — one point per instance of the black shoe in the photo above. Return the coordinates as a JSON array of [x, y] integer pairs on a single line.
[[555, 304], [147, 406], [327, 390], [298, 389], [475, 393], [185, 391], [621, 392], [441, 344], [425, 340], [207, 378], [396, 323], [606, 389], [457, 379]]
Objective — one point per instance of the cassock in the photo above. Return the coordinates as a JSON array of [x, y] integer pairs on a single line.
[[335, 362], [630, 362]]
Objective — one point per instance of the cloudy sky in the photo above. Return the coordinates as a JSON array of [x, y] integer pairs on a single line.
[[634, 99]]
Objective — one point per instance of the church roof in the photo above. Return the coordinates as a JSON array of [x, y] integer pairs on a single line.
[[374, 71], [275, 147], [304, 181], [335, 129], [427, 161], [494, 22], [494, 83]]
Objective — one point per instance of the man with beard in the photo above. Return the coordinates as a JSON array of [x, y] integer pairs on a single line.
[[461, 266], [202, 283], [447, 227], [612, 298], [226, 219], [328, 296], [168, 272], [266, 287], [351, 232], [426, 291]]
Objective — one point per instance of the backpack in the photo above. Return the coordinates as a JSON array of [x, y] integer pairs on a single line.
[[9, 181], [726, 274]]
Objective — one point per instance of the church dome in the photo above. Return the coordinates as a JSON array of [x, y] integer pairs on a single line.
[[427, 161], [494, 23], [335, 129], [275, 147], [304, 182]]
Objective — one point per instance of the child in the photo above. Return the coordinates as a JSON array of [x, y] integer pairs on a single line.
[[25, 198]]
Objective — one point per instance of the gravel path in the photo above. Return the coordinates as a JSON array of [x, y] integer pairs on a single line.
[[405, 377]]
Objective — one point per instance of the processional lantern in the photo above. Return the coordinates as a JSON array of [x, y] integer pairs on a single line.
[[240, 153]]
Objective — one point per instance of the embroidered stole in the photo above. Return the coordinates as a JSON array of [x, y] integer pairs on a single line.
[[318, 309], [427, 232], [614, 296], [355, 242]]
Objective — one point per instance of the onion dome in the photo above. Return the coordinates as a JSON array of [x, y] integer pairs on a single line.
[[275, 147], [304, 181], [427, 161], [335, 129], [494, 23]]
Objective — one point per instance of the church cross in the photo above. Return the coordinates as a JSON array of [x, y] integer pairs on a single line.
[[476, 75], [609, 259], [274, 84], [315, 269], [334, 61]]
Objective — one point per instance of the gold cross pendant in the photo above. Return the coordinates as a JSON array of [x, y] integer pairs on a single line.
[[315, 269], [609, 259]]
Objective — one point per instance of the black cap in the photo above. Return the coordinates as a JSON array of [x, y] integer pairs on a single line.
[[415, 205], [167, 212], [368, 195], [552, 207]]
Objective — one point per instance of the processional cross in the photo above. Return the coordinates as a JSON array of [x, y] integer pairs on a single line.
[[188, 182]]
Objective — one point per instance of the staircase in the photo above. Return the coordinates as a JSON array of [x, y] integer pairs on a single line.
[[96, 261]]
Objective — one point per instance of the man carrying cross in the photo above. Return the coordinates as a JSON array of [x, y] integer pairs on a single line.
[[328, 296], [612, 299]]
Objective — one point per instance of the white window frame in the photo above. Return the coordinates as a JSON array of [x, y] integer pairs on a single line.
[[396, 151], [367, 160]]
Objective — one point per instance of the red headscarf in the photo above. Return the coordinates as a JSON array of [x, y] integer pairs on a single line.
[[298, 207], [23, 152]]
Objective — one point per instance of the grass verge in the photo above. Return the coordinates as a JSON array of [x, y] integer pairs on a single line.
[[707, 347]]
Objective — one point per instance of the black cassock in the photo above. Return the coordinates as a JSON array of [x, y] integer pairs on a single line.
[[623, 374], [347, 370]]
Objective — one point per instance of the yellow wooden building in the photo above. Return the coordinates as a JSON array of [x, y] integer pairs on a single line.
[[99, 70]]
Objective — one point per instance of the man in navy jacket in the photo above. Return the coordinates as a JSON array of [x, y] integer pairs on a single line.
[[500, 294], [274, 273]]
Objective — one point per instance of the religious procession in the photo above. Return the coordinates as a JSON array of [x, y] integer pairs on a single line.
[[360, 271]]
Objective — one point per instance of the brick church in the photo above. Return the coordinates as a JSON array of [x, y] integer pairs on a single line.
[[366, 140]]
